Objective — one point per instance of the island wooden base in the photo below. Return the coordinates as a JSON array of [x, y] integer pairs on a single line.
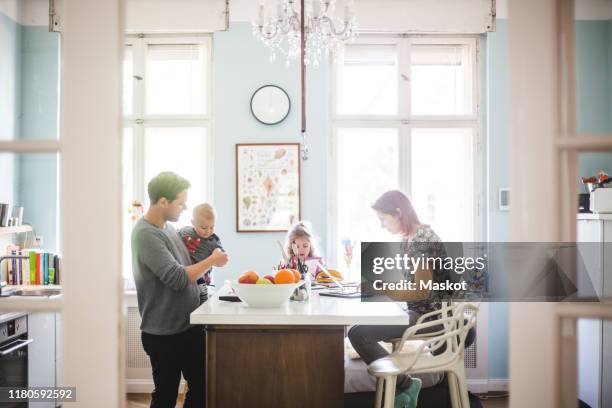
[[275, 366]]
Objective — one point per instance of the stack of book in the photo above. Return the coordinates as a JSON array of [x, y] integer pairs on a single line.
[[39, 268]]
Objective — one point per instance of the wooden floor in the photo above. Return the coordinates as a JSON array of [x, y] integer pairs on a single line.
[[495, 400], [488, 401], [144, 400]]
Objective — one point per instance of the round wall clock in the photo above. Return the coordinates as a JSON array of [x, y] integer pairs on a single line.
[[270, 104]]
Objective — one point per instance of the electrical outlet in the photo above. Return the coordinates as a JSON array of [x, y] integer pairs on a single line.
[[39, 240]]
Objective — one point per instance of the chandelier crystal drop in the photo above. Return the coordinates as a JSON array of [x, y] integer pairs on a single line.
[[325, 33]]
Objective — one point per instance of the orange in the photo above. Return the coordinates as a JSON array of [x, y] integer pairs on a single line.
[[284, 276], [296, 275]]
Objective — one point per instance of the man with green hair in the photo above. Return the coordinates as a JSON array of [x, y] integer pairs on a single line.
[[167, 294]]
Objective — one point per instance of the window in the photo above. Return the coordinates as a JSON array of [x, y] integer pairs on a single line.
[[367, 83], [405, 117], [167, 121]]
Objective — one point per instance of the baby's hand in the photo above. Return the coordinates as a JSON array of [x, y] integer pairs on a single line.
[[220, 258]]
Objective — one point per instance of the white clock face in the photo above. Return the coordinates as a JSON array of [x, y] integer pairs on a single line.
[[270, 104]]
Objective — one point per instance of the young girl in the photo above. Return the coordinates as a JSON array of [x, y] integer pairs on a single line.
[[301, 242]]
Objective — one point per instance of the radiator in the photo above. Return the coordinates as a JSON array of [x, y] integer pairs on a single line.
[[471, 355], [138, 366]]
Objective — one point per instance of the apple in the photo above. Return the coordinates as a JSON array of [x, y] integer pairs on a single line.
[[263, 281], [270, 278]]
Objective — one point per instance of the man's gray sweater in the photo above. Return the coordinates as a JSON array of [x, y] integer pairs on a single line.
[[166, 297]]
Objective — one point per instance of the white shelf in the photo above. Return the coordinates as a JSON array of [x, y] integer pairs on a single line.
[[15, 230], [591, 216]]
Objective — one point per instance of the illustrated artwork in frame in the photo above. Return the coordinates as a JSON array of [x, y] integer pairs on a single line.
[[267, 186]]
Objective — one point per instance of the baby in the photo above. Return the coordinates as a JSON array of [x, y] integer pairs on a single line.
[[201, 241]]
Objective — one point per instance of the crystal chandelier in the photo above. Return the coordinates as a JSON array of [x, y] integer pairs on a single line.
[[325, 33]]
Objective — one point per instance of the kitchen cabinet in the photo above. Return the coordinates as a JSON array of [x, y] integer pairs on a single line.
[[42, 328], [595, 336]]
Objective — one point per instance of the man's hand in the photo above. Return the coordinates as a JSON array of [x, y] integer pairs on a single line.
[[220, 258], [217, 258]]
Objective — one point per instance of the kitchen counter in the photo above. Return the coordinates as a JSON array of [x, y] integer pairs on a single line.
[[31, 303], [320, 310], [292, 356]]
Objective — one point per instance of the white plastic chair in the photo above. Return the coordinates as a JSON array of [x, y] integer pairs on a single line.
[[450, 361], [445, 310]]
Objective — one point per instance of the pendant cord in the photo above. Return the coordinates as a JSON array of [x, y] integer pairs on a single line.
[[303, 78]]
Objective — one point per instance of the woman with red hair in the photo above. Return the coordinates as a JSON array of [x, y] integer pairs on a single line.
[[396, 214]]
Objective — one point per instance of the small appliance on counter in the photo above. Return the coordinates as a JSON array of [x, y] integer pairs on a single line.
[[601, 200]]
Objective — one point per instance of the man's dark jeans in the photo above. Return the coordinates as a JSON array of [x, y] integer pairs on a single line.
[[172, 355]]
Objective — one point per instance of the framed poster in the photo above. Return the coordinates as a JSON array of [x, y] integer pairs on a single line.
[[267, 186]]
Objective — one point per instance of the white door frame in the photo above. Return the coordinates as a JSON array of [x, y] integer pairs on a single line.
[[544, 143], [90, 196]]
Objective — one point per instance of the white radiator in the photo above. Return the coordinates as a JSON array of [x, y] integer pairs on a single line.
[[138, 366]]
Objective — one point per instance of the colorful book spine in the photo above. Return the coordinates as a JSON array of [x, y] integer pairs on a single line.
[[45, 268], [9, 272], [38, 280], [14, 276], [58, 270], [32, 267], [20, 267], [20, 263], [25, 268]]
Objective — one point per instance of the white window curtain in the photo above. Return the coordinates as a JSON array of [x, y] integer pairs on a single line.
[[193, 16]]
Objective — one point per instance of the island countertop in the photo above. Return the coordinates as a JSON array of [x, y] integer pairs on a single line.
[[319, 310]]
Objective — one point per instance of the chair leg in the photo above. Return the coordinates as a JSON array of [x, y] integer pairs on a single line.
[[389, 391], [459, 373], [453, 389], [380, 384]]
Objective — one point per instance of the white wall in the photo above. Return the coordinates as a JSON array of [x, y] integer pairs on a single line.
[[26, 12]]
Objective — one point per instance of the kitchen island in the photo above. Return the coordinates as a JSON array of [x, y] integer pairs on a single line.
[[291, 356]]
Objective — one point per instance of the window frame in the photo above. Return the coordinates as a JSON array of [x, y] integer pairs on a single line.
[[405, 122], [139, 120]]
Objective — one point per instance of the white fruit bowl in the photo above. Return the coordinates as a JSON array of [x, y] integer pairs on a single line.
[[264, 296]]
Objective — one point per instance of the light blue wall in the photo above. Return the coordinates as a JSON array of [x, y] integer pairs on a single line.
[[10, 40], [38, 174], [593, 90], [29, 68], [497, 136], [241, 65], [593, 76], [496, 61]]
